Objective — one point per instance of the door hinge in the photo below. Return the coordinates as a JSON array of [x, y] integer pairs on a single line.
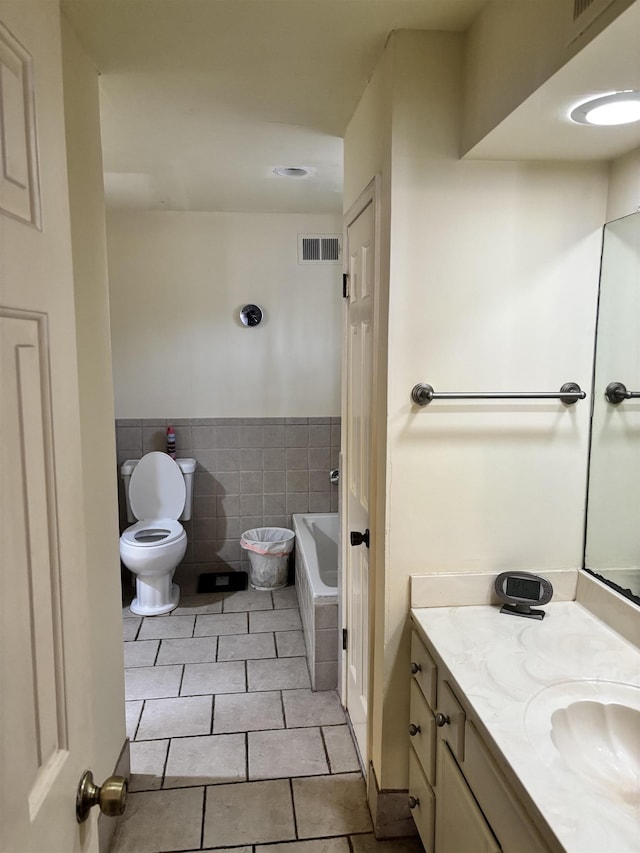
[[345, 285], [344, 639]]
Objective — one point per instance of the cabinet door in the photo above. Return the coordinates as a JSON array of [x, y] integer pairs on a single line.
[[508, 818], [460, 825]]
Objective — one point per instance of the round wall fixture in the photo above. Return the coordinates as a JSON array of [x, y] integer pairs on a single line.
[[609, 110], [251, 315], [293, 171]]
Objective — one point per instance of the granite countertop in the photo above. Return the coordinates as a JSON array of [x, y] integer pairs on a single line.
[[514, 672]]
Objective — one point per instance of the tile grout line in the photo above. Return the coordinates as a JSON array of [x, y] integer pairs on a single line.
[[204, 815], [249, 781], [326, 750], [164, 766], [184, 666], [144, 702], [246, 756], [293, 809]]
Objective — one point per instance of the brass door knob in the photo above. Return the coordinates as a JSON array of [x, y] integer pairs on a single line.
[[111, 796]]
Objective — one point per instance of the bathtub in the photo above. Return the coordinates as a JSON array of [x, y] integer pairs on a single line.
[[316, 564]]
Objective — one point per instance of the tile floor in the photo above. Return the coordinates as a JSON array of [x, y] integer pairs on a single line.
[[230, 749]]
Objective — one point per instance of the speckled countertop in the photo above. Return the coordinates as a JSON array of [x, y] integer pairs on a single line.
[[513, 673]]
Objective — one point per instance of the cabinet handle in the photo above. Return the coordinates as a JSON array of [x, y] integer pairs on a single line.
[[413, 802], [415, 668], [414, 730], [441, 720]]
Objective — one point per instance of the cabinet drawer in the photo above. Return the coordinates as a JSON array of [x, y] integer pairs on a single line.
[[424, 810], [506, 815], [451, 728], [424, 740], [423, 669]]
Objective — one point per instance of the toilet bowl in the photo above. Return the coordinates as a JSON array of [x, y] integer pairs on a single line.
[[153, 546]]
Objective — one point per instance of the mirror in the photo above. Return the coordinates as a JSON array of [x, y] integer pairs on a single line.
[[612, 541]]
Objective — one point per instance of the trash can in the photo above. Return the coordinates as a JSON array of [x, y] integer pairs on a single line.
[[268, 549]]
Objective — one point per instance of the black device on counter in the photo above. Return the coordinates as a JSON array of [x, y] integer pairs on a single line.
[[520, 590]]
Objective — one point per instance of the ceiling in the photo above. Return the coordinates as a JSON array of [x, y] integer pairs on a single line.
[[202, 99], [539, 128]]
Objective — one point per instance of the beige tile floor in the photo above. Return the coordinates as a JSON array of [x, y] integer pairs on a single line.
[[230, 749]]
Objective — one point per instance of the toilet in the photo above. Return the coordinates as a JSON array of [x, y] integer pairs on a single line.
[[158, 493]]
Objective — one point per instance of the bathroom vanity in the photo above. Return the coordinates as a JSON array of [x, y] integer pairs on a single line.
[[507, 731]]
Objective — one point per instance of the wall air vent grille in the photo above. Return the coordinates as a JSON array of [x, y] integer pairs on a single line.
[[585, 12], [580, 6], [319, 248]]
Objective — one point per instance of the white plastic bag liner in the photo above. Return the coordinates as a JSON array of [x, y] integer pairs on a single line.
[[269, 549]]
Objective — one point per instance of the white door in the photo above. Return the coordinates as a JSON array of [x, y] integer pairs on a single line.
[[45, 683], [356, 461]]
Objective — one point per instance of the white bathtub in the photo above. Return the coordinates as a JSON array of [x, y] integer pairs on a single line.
[[317, 590], [317, 536]]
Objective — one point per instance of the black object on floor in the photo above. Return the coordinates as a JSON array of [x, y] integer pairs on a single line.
[[222, 581]]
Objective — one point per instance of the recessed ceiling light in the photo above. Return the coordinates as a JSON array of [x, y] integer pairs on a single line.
[[608, 110], [293, 171]]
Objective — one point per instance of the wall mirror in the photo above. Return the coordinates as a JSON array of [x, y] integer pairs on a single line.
[[612, 541]]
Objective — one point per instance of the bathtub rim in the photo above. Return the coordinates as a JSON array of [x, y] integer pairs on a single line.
[[322, 594]]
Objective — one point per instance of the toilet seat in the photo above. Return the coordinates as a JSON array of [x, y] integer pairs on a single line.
[[151, 533]]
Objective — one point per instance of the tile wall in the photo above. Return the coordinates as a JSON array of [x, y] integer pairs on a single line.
[[319, 617], [251, 472]]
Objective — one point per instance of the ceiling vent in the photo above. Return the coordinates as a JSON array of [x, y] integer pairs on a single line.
[[319, 248], [585, 13]]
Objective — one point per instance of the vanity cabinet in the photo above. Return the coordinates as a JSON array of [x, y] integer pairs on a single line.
[[460, 800]]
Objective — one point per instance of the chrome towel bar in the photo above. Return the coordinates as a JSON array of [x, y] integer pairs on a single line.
[[569, 393], [616, 392]]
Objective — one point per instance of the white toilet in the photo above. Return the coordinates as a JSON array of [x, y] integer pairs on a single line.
[[158, 492]]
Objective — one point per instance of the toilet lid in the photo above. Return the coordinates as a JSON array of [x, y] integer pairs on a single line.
[[157, 488]]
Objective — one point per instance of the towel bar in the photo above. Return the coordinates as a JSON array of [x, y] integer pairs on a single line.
[[569, 393]]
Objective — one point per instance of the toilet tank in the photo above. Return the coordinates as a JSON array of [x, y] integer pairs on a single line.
[[187, 466]]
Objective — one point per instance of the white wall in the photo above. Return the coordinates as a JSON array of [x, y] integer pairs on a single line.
[[493, 282], [624, 186], [177, 282], [99, 499], [368, 153]]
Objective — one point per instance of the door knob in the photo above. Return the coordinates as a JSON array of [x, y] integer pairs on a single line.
[[413, 802], [414, 730], [442, 720], [111, 796], [415, 668], [358, 538]]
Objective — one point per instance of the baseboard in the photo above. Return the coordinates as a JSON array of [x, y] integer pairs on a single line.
[[389, 810], [107, 825]]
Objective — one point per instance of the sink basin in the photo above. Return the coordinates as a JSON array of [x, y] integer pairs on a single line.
[[602, 742], [593, 728]]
